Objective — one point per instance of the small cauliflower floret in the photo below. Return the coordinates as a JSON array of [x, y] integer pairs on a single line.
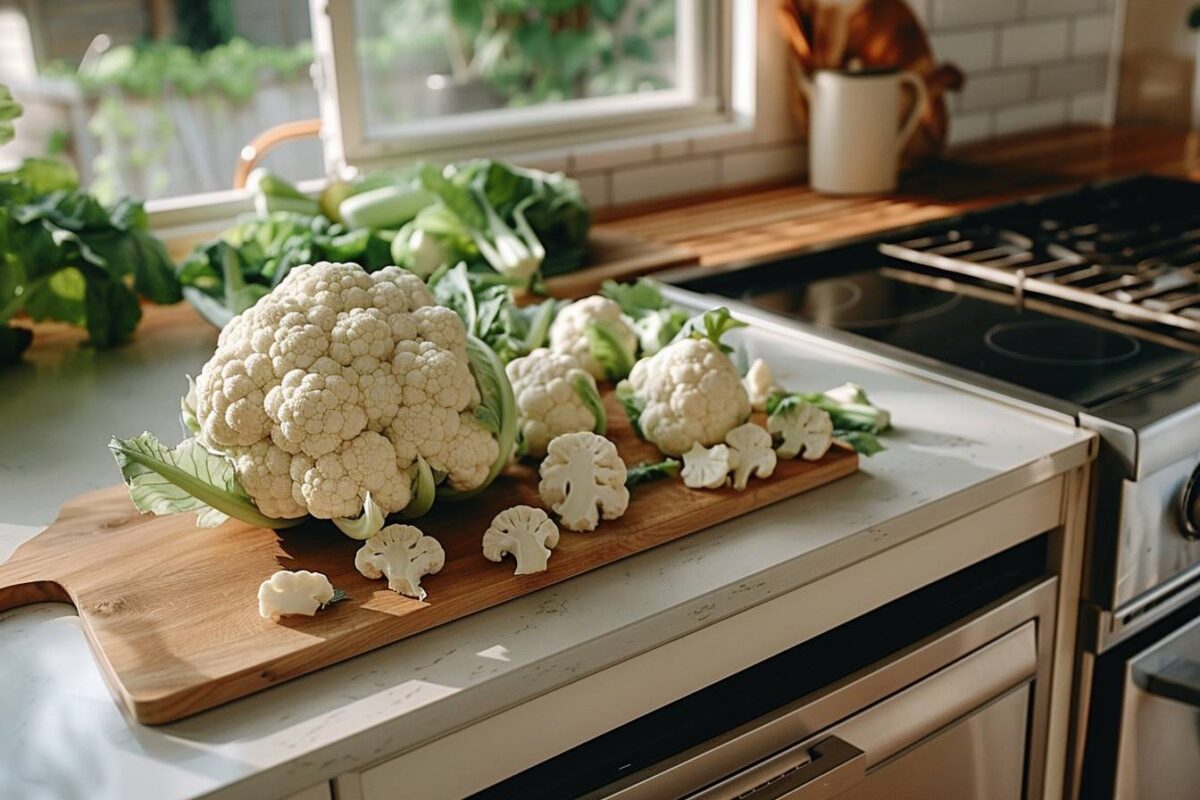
[[751, 453], [688, 393], [707, 467], [582, 479], [333, 385], [403, 555], [525, 533], [759, 383], [285, 593], [569, 334], [554, 396], [805, 430]]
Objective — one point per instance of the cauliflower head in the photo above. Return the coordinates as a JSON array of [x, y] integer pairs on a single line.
[[685, 394], [596, 332], [334, 384], [554, 396], [582, 479]]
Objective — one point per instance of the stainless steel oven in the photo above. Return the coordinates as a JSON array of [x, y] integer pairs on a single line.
[[957, 713], [1085, 305]]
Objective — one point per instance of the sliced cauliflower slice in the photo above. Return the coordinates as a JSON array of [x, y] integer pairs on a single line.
[[403, 555], [751, 453], [759, 383], [300, 592], [582, 479], [524, 532], [687, 393], [555, 395], [707, 467], [596, 332], [805, 430]]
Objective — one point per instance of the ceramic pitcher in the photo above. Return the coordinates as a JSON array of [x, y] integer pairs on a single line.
[[855, 136]]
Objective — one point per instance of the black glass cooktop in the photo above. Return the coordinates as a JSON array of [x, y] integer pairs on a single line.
[[1045, 348]]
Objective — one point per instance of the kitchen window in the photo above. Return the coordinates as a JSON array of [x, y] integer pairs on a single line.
[[513, 76]]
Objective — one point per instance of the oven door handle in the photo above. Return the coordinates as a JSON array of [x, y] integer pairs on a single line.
[[834, 766]]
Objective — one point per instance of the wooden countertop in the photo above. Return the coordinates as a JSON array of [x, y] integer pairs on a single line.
[[758, 222]]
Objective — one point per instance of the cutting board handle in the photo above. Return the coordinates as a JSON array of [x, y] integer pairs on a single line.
[[28, 592]]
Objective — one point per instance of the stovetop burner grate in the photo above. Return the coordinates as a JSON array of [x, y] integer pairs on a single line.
[[1131, 248]]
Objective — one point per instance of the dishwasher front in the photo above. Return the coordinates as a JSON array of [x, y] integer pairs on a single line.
[[958, 713]]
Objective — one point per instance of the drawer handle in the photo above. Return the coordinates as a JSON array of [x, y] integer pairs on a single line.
[[835, 766]]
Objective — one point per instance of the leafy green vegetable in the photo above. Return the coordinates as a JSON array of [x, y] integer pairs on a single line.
[[162, 480], [711, 325], [607, 349], [656, 321], [65, 256], [10, 109], [225, 277], [488, 308], [867, 444], [648, 471], [272, 193], [633, 405]]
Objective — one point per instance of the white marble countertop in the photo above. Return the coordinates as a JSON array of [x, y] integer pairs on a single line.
[[64, 737]]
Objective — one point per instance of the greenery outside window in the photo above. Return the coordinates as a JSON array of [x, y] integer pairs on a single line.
[[511, 76]]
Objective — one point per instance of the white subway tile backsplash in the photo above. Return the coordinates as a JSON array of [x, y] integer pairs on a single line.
[[1031, 116], [1071, 78], [960, 13], [605, 156], [763, 164], [1092, 35], [995, 89], [1057, 8], [968, 50], [652, 181], [1032, 42], [967, 128], [673, 148], [1088, 108]]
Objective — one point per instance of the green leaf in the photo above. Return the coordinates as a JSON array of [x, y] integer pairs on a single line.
[[424, 490], [113, 312], [863, 442], [711, 325], [497, 396], [607, 349], [635, 299], [633, 406], [187, 478], [10, 109], [338, 596], [187, 408], [585, 387], [366, 524], [647, 471]]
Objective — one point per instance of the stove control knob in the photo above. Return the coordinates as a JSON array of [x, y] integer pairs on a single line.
[[1189, 505]]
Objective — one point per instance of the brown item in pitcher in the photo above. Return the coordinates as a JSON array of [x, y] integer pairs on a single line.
[[870, 35]]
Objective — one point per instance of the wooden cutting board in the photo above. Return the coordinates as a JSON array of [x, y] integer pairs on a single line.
[[171, 610]]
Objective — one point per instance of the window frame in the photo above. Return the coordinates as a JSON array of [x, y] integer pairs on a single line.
[[701, 100]]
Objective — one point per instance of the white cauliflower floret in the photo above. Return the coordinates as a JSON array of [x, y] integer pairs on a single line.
[[569, 333], [751, 453], [300, 592], [554, 396], [804, 429], [688, 393], [582, 479], [759, 383], [706, 467], [334, 384], [403, 555], [525, 533]]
